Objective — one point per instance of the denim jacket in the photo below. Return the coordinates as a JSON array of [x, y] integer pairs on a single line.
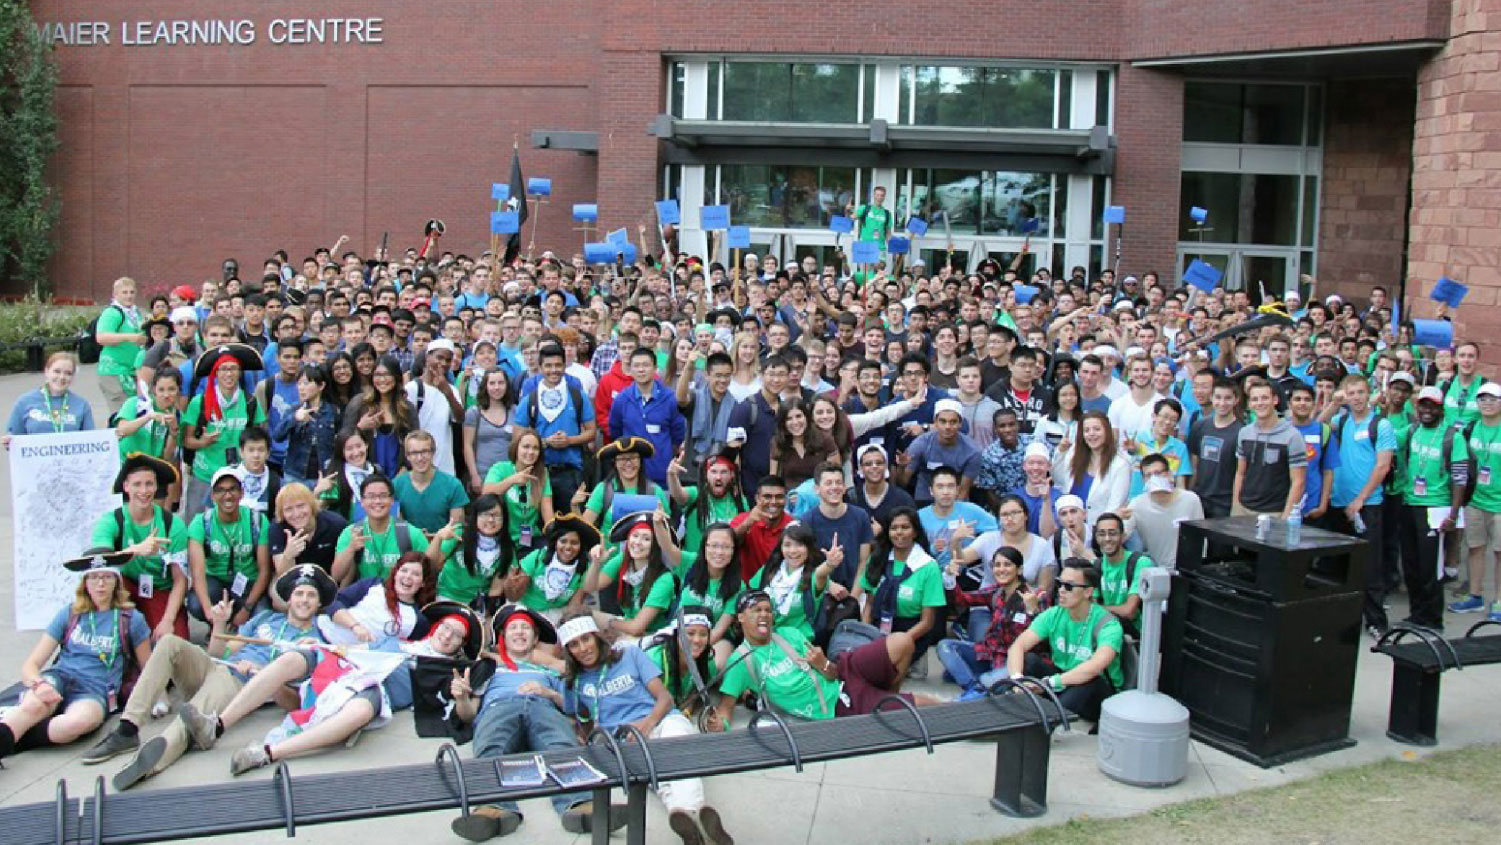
[[309, 444]]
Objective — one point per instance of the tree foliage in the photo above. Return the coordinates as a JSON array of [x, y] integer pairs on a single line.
[[29, 206]]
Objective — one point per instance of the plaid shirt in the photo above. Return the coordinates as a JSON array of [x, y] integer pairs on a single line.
[[604, 358]]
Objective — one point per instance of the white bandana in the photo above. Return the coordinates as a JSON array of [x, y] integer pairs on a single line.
[[557, 577], [575, 628], [356, 476], [551, 401], [783, 588], [487, 552], [634, 576]]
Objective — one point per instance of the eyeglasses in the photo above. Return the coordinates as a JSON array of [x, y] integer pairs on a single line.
[[913, 372], [1013, 513], [376, 497]]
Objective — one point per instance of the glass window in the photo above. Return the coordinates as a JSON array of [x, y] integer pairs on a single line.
[[1232, 113], [1310, 208], [984, 97], [782, 197], [868, 98], [1243, 207], [1102, 97], [713, 111], [1098, 192], [786, 92], [1013, 202], [679, 78]]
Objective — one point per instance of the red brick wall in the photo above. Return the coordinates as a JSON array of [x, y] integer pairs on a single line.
[[1455, 226], [1367, 163], [177, 156]]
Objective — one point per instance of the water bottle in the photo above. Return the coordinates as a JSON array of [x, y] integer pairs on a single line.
[[1358, 523], [1294, 529]]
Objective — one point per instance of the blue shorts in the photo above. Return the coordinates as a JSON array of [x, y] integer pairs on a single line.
[[74, 688]]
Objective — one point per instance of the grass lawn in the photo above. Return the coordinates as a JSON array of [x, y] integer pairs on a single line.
[[1448, 797]]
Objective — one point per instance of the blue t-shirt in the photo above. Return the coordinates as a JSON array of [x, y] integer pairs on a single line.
[[617, 693], [1321, 456], [853, 530], [1357, 457], [569, 421], [37, 412], [939, 528], [1034, 507], [504, 683], [270, 625], [93, 653], [927, 454]]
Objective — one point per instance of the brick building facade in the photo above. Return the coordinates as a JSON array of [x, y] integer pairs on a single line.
[[176, 155]]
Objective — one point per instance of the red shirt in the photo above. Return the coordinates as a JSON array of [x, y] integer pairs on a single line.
[[760, 541], [610, 385]]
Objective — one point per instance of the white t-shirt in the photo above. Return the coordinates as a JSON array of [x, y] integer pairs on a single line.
[[1158, 526], [433, 417], [1038, 556], [1129, 418]]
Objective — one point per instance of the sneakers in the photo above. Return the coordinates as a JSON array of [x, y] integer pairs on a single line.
[[203, 728], [1469, 604], [1496, 612], [683, 824], [142, 765], [247, 758], [918, 671], [713, 826], [1375, 632], [113, 745], [485, 823], [580, 817]]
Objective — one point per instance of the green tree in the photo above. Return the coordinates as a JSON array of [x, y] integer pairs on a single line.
[[29, 207]]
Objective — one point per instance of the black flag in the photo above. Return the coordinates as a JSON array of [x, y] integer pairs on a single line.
[[516, 203]]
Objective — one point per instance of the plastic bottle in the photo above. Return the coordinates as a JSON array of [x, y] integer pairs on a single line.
[[1358, 523], [1294, 529]]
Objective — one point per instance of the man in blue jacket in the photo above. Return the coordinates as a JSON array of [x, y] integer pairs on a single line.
[[649, 410]]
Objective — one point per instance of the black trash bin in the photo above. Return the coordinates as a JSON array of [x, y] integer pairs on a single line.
[[1262, 637]]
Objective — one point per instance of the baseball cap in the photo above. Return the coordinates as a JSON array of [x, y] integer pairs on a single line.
[[1402, 377], [184, 314], [1490, 388], [225, 472], [1431, 394], [442, 344], [1036, 450], [185, 292]]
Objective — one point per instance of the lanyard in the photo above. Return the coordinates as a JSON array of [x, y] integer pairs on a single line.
[[388, 536], [105, 658], [231, 542], [55, 414], [138, 532]]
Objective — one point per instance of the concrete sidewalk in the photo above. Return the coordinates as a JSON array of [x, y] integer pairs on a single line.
[[906, 797]]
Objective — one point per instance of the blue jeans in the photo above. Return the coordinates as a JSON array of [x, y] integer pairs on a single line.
[[967, 670], [978, 623], [525, 723]]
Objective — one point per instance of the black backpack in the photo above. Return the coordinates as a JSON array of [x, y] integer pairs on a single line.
[[89, 349], [1470, 463], [1337, 428], [575, 396]]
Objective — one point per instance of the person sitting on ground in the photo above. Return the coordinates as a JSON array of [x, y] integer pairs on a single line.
[[210, 683], [906, 586], [342, 691], [550, 579], [156, 571], [94, 638], [1011, 603], [520, 709], [1086, 642], [474, 557], [683, 653], [304, 532], [791, 674], [227, 550], [372, 609], [611, 688], [642, 566]]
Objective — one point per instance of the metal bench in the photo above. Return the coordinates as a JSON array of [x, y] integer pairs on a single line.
[[36, 349], [1021, 723], [1417, 666]]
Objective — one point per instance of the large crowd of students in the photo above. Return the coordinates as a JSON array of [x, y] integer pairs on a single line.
[[653, 495]]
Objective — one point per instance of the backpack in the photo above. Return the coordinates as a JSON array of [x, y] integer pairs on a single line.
[[1448, 452], [255, 533], [90, 349], [1444, 389], [1128, 655], [120, 526], [127, 650]]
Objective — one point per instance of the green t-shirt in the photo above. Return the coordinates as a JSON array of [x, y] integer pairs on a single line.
[[1114, 590], [229, 547], [874, 222], [118, 359], [1485, 445], [1073, 643], [521, 509], [456, 582], [710, 598], [924, 588], [428, 509], [720, 510], [106, 533], [1459, 402], [150, 438], [1428, 466], [791, 613], [211, 459], [663, 591], [678, 682], [1402, 430], [535, 566], [786, 683], [381, 550]]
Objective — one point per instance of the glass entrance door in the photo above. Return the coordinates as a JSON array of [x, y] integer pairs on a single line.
[[1252, 269]]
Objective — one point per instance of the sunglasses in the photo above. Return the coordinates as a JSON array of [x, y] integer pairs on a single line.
[[1068, 586]]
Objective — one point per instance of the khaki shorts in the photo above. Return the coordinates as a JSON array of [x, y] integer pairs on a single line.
[[1482, 529]]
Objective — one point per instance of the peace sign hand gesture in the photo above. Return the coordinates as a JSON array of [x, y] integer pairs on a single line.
[[459, 687]]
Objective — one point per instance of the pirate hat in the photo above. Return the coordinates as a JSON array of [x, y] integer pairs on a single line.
[[616, 448], [98, 558], [546, 633], [306, 573], [624, 525], [243, 353], [166, 474], [478, 636], [589, 536]]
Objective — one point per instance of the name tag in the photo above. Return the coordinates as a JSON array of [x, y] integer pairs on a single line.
[[1019, 617], [735, 433], [653, 429], [238, 587], [932, 465], [146, 586], [1363, 434]]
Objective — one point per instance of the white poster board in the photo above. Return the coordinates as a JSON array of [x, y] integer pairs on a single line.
[[60, 484]]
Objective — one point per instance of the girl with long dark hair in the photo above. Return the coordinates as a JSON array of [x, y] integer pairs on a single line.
[[905, 582], [640, 567], [474, 558], [796, 575]]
